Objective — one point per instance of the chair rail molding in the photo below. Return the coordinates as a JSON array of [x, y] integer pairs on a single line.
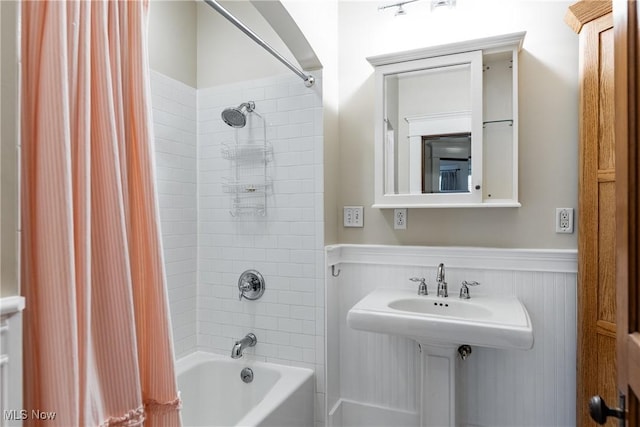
[[544, 260]]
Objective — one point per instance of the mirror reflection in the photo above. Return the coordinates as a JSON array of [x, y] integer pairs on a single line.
[[446, 164], [427, 115]]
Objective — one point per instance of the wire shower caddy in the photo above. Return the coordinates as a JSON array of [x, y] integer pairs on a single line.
[[248, 182]]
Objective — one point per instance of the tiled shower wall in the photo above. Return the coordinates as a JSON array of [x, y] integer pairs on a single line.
[[206, 248], [285, 245], [174, 117]]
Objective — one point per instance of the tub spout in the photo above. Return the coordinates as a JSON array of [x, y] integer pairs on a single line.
[[248, 341]]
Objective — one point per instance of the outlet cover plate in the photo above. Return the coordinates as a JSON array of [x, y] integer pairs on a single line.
[[564, 220], [400, 219]]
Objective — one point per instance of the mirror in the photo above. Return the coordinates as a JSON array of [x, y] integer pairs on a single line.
[[446, 163], [421, 149]]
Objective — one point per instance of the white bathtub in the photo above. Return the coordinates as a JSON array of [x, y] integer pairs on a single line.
[[213, 394]]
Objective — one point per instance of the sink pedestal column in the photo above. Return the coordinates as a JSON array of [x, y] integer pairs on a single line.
[[438, 386]]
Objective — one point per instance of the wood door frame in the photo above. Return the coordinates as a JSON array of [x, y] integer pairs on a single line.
[[627, 101], [591, 19]]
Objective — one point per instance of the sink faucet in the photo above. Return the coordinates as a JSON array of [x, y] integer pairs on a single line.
[[248, 341], [422, 287], [442, 285], [464, 289]]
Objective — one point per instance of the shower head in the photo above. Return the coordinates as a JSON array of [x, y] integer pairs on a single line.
[[237, 117]]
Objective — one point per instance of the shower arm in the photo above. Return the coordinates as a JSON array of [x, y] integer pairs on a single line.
[[309, 80]]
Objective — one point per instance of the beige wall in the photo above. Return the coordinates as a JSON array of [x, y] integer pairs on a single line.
[[172, 39], [548, 106], [226, 55], [8, 150]]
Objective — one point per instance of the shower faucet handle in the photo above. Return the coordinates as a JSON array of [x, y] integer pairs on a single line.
[[245, 287], [251, 285]]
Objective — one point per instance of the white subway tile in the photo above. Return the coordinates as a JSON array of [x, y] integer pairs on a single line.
[[204, 244], [289, 325]]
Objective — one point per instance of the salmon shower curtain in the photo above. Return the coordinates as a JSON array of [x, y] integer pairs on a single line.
[[97, 344]]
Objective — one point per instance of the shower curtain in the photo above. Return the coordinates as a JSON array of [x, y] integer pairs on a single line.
[[449, 180], [97, 334]]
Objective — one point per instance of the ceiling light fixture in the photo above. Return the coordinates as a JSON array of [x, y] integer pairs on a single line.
[[399, 5], [450, 4]]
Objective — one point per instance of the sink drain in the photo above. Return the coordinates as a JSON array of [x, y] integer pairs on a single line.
[[464, 351]]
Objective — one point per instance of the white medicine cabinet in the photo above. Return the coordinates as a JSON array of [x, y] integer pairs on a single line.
[[446, 125]]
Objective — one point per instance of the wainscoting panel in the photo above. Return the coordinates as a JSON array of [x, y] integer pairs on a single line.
[[497, 387]]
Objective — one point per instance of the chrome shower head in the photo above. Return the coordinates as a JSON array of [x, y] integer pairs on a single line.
[[237, 117]]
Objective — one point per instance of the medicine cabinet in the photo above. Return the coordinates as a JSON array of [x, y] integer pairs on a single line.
[[446, 125]]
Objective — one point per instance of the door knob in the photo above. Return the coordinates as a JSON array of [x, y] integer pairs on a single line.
[[599, 410]]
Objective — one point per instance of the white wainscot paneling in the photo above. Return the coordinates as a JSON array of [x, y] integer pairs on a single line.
[[497, 387]]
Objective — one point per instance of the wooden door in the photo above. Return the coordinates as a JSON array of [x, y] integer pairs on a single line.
[[627, 102], [596, 374]]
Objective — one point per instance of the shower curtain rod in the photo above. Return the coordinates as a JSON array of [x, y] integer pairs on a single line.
[[309, 80]]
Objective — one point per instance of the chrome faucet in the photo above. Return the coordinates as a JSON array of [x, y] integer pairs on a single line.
[[442, 284], [422, 287], [248, 341], [464, 289]]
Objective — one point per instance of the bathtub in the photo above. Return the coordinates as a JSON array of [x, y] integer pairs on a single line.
[[213, 394]]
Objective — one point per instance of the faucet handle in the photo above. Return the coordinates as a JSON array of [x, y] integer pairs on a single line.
[[250, 285], [422, 287], [464, 289]]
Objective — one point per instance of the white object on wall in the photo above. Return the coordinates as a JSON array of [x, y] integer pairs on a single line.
[[11, 359]]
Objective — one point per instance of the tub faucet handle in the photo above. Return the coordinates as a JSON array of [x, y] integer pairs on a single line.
[[250, 285], [244, 287]]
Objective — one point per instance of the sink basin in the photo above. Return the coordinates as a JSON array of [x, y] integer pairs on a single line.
[[498, 322], [433, 307]]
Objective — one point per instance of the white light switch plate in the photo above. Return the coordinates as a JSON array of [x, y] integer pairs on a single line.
[[353, 216]]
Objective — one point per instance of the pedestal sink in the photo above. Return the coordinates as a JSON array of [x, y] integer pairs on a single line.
[[441, 326]]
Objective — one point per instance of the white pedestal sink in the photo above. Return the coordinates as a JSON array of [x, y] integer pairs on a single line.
[[441, 326]]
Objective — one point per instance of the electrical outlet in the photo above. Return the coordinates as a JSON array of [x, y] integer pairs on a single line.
[[353, 216], [564, 220], [400, 219]]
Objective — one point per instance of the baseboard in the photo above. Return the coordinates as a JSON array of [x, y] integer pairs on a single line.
[[348, 413]]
